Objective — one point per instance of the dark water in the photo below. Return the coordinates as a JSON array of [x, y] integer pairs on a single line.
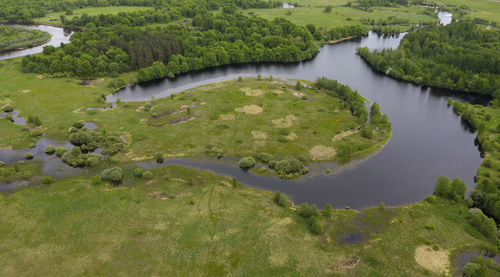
[[428, 139], [58, 35]]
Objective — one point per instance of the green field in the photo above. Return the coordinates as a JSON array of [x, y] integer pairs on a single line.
[[344, 16], [237, 118], [186, 222], [484, 9], [54, 18], [12, 38]]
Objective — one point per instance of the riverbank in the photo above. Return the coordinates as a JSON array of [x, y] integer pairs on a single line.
[[13, 38]]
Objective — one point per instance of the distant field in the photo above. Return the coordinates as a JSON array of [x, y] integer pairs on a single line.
[[54, 17], [342, 16], [484, 9]]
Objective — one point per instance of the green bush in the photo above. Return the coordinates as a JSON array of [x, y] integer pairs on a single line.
[[138, 172], [283, 201], [264, 157], [47, 180], [328, 210], [49, 149], [473, 270], [81, 137], [148, 175], [8, 109], [28, 156], [304, 210], [246, 163], [454, 191], [2, 164], [78, 125], [317, 227], [289, 166], [113, 175], [60, 151], [482, 223], [159, 158]]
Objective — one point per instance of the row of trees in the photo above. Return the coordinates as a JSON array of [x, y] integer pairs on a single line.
[[210, 41], [460, 56]]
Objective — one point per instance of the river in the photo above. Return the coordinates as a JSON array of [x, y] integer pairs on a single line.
[[428, 140]]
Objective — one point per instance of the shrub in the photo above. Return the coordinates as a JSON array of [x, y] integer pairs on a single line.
[[2, 164], [454, 191], [60, 151], [78, 125], [298, 85], [482, 223], [246, 163], [159, 158], [148, 175], [473, 270], [235, 183], [264, 157], [49, 149], [288, 167], [47, 180], [28, 156], [314, 210], [283, 201], [113, 175], [276, 196], [304, 210], [435, 247], [138, 172], [328, 210], [92, 161], [8, 109], [81, 137], [317, 227]]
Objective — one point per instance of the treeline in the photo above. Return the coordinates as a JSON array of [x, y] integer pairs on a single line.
[[27, 10], [460, 56], [352, 98], [210, 40], [486, 194], [363, 4]]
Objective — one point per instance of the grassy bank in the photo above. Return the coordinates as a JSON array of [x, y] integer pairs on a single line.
[[55, 18], [191, 222], [12, 38]]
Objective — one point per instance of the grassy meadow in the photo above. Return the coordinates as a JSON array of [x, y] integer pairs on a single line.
[[54, 18], [185, 221]]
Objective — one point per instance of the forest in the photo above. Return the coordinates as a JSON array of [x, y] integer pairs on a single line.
[[461, 56], [210, 40]]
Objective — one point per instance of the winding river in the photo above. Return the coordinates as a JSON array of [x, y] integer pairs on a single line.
[[428, 140]]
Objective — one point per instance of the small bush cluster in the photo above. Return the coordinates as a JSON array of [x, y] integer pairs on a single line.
[[28, 156], [49, 149], [281, 199], [454, 191], [61, 150], [288, 168], [159, 158], [311, 213], [35, 120], [246, 163], [47, 180], [76, 158], [89, 140], [113, 175], [482, 223]]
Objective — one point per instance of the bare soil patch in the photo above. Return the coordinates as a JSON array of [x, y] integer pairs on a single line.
[[344, 134], [252, 92], [284, 122], [227, 117], [259, 135], [291, 136], [436, 261], [252, 109], [322, 152]]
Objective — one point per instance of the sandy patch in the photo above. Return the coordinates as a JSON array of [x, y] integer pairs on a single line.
[[284, 122], [259, 135], [26, 90], [297, 93], [278, 92], [252, 109], [40, 76], [436, 261], [344, 134], [140, 109], [79, 110], [252, 92], [227, 117], [260, 142], [291, 136], [321, 152]]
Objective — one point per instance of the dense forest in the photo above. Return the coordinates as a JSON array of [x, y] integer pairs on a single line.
[[208, 41], [486, 194], [461, 56], [26, 10]]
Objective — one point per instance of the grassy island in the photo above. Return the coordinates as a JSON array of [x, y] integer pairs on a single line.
[[12, 38]]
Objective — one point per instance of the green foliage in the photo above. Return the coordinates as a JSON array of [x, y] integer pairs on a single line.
[[113, 175], [96, 180], [454, 191], [60, 151], [246, 163], [459, 56], [317, 227], [473, 270], [482, 223], [281, 199], [148, 175], [159, 158], [13, 37], [28, 156], [290, 167], [47, 180], [328, 210], [264, 157], [50, 149], [138, 172], [76, 158]]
